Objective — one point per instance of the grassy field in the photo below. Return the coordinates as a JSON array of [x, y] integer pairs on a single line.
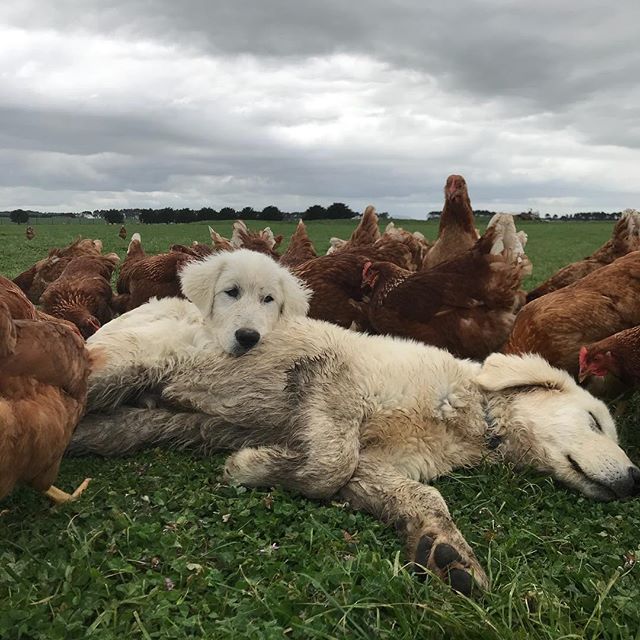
[[158, 548]]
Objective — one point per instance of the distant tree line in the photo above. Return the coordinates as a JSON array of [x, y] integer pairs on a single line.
[[336, 211], [529, 215]]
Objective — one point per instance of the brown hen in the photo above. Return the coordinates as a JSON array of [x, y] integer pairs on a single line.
[[417, 244], [336, 282], [37, 278], [596, 306], [624, 239], [618, 354], [219, 242], [365, 234], [197, 249], [300, 248], [261, 241], [43, 388], [466, 305], [457, 231], [143, 277], [82, 294]]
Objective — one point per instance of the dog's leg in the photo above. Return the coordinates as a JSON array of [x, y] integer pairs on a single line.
[[434, 543], [130, 429], [324, 459]]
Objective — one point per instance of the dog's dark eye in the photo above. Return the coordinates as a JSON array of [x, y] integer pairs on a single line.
[[234, 292], [595, 425], [268, 299]]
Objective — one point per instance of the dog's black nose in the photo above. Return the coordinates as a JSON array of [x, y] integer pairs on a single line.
[[247, 338], [634, 474]]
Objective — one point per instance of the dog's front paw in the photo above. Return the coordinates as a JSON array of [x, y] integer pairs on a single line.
[[451, 561]]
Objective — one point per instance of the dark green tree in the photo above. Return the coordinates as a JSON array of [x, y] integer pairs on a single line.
[[315, 212], [270, 212], [340, 211], [19, 216], [227, 213], [113, 216]]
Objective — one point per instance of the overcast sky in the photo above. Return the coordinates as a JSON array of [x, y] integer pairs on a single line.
[[196, 103]]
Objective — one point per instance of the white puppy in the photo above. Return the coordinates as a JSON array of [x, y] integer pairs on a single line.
[[242, 295], [235, 298]]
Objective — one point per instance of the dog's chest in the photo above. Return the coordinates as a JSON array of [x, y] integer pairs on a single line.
[[426, 430]]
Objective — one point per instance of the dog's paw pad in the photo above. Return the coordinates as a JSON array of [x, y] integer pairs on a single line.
[[444, 555], [461, 581], [421, 558]]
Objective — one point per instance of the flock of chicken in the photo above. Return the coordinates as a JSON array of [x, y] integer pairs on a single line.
[[463, 293]]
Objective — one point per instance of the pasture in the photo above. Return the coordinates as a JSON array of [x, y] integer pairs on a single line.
[[157, 547]]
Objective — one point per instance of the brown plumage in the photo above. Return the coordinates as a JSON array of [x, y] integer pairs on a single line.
[[20, 308], [624, 239], [367, 231], [122, 234], [336, 281], [365, 234], [43, 388], [135, 253], [30, 233], [300, 248], [396, 246], [417, 244], [82, 294], [219, 243], [457, 231], [261, 241], [17, 304], [618, 354], [38, 277], [142, 277], [596, 306], [466, 305], [197, 249], [202, 250]]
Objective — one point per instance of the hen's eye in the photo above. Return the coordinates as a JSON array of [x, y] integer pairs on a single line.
[[234, 292], [268, 299]]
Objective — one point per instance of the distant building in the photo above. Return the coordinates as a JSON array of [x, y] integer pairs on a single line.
[[529, 215]]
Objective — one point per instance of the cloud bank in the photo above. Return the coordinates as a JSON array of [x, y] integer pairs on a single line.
[[151, 104]]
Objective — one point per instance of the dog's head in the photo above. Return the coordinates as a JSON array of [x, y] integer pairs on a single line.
[[555, 426], [242, 295]]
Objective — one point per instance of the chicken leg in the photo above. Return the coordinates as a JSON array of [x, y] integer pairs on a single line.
[[60, 497]]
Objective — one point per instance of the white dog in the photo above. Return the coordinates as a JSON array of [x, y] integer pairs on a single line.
[[235, 298], [325, 411]]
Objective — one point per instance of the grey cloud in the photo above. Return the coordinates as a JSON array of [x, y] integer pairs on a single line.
[[548, 52], [518, 89]]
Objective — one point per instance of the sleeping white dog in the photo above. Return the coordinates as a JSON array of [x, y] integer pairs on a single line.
[[234, 299]]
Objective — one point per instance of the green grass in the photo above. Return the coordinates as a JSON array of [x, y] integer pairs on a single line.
[[158, 548]]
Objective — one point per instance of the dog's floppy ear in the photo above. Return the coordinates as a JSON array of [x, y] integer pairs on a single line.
[[501, 372], [198, 281], [295, 296]]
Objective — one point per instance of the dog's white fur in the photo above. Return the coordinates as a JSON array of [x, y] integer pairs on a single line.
[[264, 294], [323, 410]]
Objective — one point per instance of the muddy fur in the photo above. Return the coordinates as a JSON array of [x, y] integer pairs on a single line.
[[326, 411]]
